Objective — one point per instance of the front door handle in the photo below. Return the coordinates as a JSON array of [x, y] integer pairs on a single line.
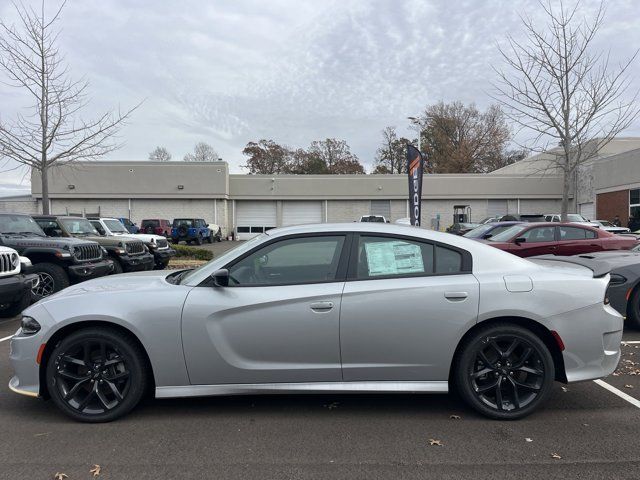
[[321, 306], [455, 295]]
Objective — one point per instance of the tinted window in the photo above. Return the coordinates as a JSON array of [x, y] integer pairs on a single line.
[[634, 197], [150, 223], [384, 257], [98, 227], [19, 224], [508, 234], [293, 261], [447, 260], [538, 235], [572, 233], [183, 221]]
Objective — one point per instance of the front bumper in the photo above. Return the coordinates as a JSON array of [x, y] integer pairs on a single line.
[[592, 337], [13, 288], [135, 263], [22, 356], [162, 256], [91, 269]]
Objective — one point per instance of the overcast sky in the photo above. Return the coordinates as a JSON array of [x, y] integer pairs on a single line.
[[229, 72]]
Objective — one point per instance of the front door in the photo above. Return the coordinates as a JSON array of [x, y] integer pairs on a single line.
[[404, 308], [276, 322]]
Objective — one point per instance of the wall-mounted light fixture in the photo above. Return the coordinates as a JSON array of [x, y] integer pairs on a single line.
[[180, 187], [71, 187]]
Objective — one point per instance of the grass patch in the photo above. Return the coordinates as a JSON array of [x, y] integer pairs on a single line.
[[183, 251]]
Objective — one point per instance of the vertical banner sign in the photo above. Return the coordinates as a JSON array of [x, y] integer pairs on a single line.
[[415, 167]]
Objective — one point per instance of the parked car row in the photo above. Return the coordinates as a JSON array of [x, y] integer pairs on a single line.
[[58, 251]]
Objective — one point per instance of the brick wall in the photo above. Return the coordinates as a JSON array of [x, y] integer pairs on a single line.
[[610, 204]]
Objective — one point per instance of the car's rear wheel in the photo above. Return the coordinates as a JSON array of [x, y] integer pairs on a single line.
[[633, 310], [51, 279], [198, 239], [96, 375], [504, 371]]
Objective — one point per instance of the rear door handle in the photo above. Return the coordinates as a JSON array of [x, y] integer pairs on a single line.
[[321, 306], [455, 295]]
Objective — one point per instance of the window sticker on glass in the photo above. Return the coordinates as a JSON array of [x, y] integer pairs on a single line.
[[393, 258]]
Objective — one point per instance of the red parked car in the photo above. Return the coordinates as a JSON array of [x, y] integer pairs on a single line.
[[529, 239], [156, 226]]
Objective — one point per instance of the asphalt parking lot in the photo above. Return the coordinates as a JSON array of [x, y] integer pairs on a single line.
[[329, 436]]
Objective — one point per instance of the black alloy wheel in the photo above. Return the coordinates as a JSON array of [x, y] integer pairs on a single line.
[[96, 375], [51, 279], [505, 372]]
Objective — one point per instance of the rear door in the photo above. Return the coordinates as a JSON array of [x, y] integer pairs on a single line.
[[405, 305], [576, 240]]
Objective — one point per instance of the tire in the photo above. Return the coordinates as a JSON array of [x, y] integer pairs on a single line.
[[117, 268], [85, 389], [210, 238], [633, 310], [520, 391], [52, 278], [198, 240], [17, 307]]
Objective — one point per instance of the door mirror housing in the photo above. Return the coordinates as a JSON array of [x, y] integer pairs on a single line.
[[520, 240], [486, 236], [220, 278]]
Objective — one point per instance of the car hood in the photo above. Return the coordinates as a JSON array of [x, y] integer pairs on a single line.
[[126, 282], [145, 237], [112, 240], [48, 242]]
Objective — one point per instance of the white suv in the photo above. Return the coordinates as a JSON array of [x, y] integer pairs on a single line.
[[571, 218]]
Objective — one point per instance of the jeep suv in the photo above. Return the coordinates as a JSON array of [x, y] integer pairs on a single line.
[[156, 226], [157, 245], [57, 262], [191, 230], [127, 253], [15, 287]]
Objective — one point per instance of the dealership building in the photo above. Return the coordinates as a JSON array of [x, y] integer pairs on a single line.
[[606, 186]]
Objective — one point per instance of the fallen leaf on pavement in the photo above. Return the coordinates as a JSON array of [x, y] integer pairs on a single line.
[[556, 456], [528, 440], [41, 434], [331, 406], [437, 443], [60, 476], [454, 417], [95, 470], [628, 386], [565, 389]]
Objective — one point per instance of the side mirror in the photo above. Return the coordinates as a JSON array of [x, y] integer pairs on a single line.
[[520, 240], [487, 236], [221, 277]]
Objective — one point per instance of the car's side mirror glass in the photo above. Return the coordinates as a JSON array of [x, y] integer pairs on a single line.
[[487, 235], [520, 240], [221, 277]]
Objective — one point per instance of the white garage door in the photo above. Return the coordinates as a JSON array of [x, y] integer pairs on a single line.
[[587, 211], [253, 218], [299, 213]]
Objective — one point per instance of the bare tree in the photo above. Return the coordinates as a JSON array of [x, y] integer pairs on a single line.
[[555, 86], [392, 152], [53, 133], [202, 152], [160, 154]]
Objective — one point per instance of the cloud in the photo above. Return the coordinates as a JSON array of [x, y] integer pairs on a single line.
[[231, 72]]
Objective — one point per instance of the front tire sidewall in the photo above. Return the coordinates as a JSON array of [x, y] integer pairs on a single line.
[[134, 362], [57, 274], [467, 358]]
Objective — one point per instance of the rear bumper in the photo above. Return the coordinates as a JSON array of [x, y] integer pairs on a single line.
[[83, 271], [592, 337]]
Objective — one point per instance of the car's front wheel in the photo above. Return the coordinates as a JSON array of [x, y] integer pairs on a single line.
[[96, 375], [51, 279], [633, 310], [504, 371]]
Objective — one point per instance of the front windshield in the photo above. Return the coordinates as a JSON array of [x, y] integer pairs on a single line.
[[226, 256], [79, 226], [115, 226], [508, 234], [21, 224], [574, 217], [605, 223], [478, 232]]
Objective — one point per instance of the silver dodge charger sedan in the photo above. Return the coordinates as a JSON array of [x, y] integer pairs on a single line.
[[358, 307]]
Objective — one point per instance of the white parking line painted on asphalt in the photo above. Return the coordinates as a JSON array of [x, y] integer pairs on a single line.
[[630, 342], [6, 338], [620, 393]]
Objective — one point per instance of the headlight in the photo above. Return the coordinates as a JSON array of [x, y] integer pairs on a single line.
[[15, 260], [29, 326], [104, 251]]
